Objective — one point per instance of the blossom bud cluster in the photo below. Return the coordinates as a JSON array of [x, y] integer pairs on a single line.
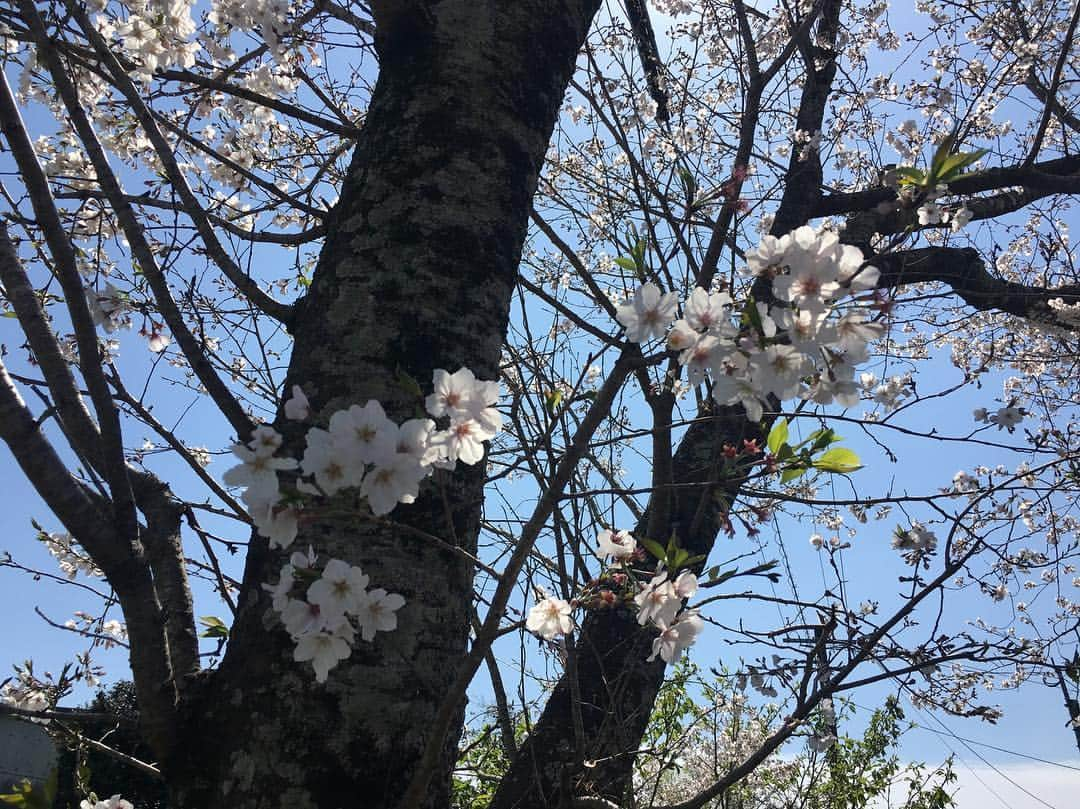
[[659, 603], [801, 346], [336, 605]]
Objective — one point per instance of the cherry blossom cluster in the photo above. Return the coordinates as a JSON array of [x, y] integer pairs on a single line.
[[819, 742], [1006, 418], [1069, 312], [23, 695], [109, 308], [796, 347], [756, 680], [659, 602], [110, 632], [71, 559], [268, 17], [158, 34], [336, 605], [931, 213], [916, 544], [889, 392], [155, 34], [363, 449]]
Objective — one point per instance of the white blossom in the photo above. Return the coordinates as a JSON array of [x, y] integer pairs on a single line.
[[364, 434], [377, 612], [339, 590], [323, 649], [296, 406], [395, 479], [676, 638], [616, 545], [648, 315], [550, 617]]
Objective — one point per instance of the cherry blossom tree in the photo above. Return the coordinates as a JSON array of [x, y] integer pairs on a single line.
[[537, 332]]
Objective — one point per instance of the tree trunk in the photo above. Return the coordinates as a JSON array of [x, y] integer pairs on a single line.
[[416, 274], [616, 686]]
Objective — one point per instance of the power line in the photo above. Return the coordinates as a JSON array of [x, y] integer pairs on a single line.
[[956, 755], [975, 775], [979, 756], [948, 732], [1000, 749]]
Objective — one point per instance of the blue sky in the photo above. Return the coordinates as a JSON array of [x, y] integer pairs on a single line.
[[1034, 719]]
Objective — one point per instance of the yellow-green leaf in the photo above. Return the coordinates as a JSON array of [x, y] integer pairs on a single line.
[[955, 163], [907, 175], [215, 627], [778, 436], [655, 548], [791, 473], [27, 795], [838, 460]]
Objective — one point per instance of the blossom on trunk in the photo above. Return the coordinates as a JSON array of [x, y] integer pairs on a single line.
[[377, 612], [324, 650]]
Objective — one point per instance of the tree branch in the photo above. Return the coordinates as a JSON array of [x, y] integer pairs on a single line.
[[78, 425], [111, 461], [1057, 176], [88, 519], [292, 110], [963, 270], [1055, 83], [637, 14], [489, 630], [245, 284], [161, 537], [141, 249]]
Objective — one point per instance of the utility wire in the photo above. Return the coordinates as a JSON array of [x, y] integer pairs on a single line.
[[1000, 749], [975, 775], [947, 732], [979, 756]]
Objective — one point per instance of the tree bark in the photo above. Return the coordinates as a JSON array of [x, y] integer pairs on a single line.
[[416, 274]]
